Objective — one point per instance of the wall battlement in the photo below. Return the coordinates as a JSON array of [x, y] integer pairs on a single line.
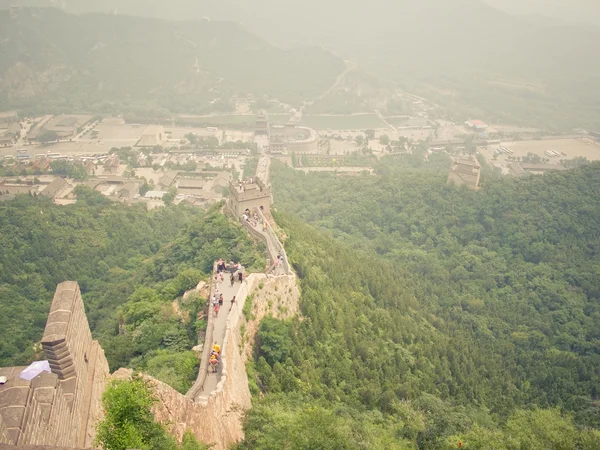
[[60, 408], [249, 194]]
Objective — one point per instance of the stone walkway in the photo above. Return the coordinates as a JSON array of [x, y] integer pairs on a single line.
[[228, 291]]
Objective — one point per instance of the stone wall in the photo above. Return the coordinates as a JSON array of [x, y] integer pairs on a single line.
[[58, 408], [4, 437], [216, 418]]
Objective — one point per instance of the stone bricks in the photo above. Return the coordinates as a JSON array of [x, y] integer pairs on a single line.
[[59, 408]]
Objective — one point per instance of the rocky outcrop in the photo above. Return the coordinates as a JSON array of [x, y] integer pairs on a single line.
[[277, 296]]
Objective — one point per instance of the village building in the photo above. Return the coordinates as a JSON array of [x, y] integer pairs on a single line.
[[128, 191], [111, 165], [167, 180], [153, 136], [465, 172], [54, 189], [65, 127], [477, 125], [190, 185], [155, 195]]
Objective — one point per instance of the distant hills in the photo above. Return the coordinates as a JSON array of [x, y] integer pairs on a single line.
[[50, 60], [470, 58]]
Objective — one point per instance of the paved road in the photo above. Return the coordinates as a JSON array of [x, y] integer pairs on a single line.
[[225, 288]]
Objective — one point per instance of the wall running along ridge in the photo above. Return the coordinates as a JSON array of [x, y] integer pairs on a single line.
[[217, 417]]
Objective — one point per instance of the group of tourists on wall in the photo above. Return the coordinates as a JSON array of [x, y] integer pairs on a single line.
[[217, 303], [251, 217], [235, 272]]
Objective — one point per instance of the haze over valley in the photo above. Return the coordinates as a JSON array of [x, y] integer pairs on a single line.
[[299, 224]]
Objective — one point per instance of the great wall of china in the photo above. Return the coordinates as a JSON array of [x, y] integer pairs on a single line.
[[62, 408]]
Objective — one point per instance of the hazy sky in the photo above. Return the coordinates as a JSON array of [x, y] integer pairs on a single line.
[[582, 11], [574, 10]]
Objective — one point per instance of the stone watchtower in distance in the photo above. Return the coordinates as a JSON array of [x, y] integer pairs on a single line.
[[249, 194], [262, 125]]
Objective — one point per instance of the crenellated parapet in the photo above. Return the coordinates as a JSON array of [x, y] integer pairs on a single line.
[[61, 407], [249, 194]]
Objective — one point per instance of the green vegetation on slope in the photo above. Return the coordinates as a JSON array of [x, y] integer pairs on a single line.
[[129, 422], [132, 266], [456, 316]]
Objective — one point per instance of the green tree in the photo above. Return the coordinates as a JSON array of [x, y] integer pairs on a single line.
[[48, 136], [128, 421]]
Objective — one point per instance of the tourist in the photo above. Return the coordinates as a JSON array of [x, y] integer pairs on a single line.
[[217, 307], [232, 279], [232, 302], [240, 276], [214, 362], [221, 300], [214, 300]]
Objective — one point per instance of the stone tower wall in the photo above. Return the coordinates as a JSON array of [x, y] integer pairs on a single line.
[[4, 437], [59, 408]]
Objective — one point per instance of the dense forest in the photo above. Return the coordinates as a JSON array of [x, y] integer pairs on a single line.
[[433, 315], [132, 266]]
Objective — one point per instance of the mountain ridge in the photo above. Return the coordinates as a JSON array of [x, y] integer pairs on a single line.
[[179, 66]]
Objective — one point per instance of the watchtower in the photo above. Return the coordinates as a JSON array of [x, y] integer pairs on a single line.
[[262, 125], [249, 194]]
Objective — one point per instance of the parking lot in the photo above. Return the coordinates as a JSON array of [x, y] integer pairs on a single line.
[[572, 148]]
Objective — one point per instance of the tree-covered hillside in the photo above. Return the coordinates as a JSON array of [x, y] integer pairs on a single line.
[[433, 314], [55, 62], [132, 266]]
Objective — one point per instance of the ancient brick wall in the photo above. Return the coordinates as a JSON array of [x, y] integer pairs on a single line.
[[4, 437], [216, 418], [58, 408]]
